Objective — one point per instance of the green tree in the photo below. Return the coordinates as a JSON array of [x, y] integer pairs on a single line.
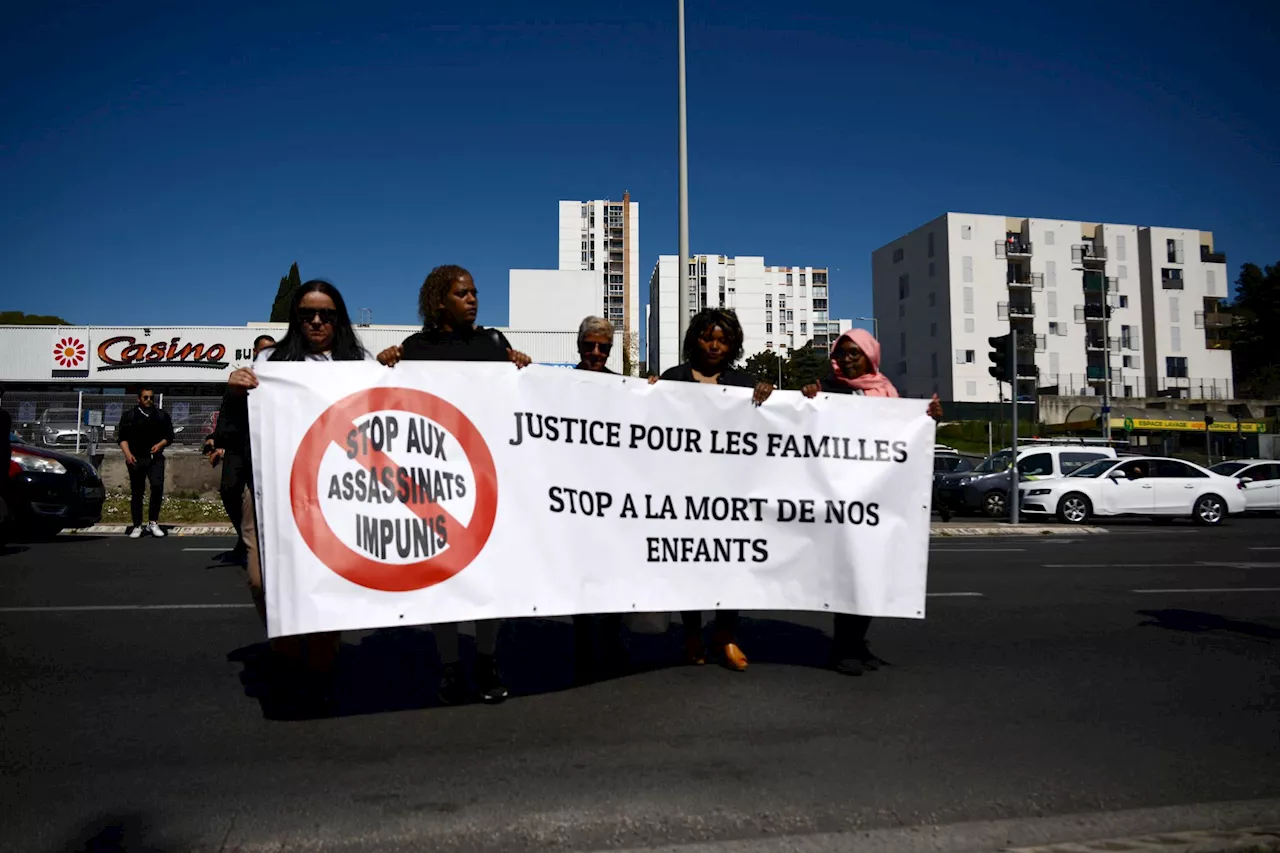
[[1254, 356], [764, 367], [284, 295], [17, 318], [808, 365]]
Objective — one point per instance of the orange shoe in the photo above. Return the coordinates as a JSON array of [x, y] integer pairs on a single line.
[[734, 659], [695, 654]]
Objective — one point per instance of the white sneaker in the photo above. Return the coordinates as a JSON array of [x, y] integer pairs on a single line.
[[136, 532], [154, 529]]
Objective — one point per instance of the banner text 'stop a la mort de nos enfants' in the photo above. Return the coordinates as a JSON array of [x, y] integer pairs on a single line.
[[441, 492]]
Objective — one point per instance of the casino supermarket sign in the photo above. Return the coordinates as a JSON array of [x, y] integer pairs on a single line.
[[157, 355]]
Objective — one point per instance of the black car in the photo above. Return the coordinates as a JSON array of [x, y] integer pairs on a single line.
[[49, 491]]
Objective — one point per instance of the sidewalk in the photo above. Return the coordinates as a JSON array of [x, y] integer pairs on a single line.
[[973, 527]]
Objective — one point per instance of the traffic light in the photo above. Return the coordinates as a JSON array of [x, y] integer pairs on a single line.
[[1208, 421], [999, 356]]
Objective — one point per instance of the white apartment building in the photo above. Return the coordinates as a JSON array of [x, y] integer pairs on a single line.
[[1144, 298], [598, 272], [780, 308]]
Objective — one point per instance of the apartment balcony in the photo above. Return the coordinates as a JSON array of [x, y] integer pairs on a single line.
[[1012, 248], [1095, 283], [1085, 313], [1027, 281], [1026, 370], [1209, 257], [1008, 310], [1214, 320], [1088, 253]]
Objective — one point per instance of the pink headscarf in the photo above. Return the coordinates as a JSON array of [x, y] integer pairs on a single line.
[[872, 384]]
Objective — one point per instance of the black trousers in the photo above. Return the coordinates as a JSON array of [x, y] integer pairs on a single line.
[[726, 623], [144, 472], [850, 633], [235, 476]]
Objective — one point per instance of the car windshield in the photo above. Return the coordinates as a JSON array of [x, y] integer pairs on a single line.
[[1094, 469], [995, 463], [1229, 469], [14, 438]]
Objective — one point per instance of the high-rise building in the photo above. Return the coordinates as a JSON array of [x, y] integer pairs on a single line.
[[1139, 304], [604, 237], [780, 308]]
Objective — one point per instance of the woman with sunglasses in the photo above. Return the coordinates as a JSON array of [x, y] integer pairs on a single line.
[[597, 639], [855, 369], [319, 330], [448, 302], [711, 346]]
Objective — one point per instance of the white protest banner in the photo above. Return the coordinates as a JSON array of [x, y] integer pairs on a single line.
[[445, 492]]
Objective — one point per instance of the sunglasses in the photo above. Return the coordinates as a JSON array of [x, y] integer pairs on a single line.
[[145, 397], [326, 315], [588, 346]]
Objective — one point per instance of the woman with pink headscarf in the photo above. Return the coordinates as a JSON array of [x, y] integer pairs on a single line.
[[855, 369]]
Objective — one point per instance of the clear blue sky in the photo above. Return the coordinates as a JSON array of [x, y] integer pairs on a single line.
[[166, 162]]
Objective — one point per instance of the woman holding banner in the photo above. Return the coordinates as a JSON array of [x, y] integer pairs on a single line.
[[855, 369], [448, 302], [712, 344], [319, 330]]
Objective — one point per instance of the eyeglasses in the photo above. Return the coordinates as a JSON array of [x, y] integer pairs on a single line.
[[588, 346], [145, 397], [326, 315]]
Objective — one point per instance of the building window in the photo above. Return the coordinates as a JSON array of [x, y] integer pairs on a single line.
[[904, 286], [768, 330], [1048, 238], [769, 345], [1210, 282], [1052, 297], [1053, 363], [966, 232], [897, 255], [1121, 253], [1124, 301], [1171, 279], [802, 289], [1053, 328], [1174, 313], [802, 279], [782, 300], [768, 316], [933, 367], [1051, 273], [931, 249], [933, 269], [968, 300], [768, 300], [967, 265], [1173, 251], [791, 315], [1175, 338], [968, 325], [964, 356], [971, 389], [788, 279], [803, 332], [1122, 272], [1128, 361], [1175, 366]]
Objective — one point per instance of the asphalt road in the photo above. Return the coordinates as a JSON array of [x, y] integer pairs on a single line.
[[1051, 676]]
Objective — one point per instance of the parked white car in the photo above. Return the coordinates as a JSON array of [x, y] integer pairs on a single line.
[[1259, 480], [1144, 485]]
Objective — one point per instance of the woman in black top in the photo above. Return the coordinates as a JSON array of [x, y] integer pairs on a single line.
[[711, 346], [448, 302]]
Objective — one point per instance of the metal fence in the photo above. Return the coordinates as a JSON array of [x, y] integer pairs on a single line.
[[79, 420], [1126, 384]]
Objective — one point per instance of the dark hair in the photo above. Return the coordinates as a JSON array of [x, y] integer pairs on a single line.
[[434, 289], [138, 391], [260, 338], [294, 347], [707, 319]]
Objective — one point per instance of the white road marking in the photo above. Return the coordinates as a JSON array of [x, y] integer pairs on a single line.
[[1220, 589], [953, 595], [89, 608]]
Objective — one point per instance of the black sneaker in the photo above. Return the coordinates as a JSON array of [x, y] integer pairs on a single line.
[[489, 680], [846, 665], [869, 661], [453, 686]]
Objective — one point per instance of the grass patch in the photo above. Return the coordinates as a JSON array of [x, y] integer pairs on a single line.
[[173, 510]]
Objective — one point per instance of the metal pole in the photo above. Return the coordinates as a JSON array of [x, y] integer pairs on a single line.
[[1013, 462], [79, 416], [1208, 450], [682, 296], [1106, 358], [989, 448]]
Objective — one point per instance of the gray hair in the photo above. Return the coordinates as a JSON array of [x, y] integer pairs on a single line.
[[595, 326]]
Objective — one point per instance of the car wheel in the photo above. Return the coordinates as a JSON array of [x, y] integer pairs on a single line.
[[1074, 508], [1209, 510], [996, 504]]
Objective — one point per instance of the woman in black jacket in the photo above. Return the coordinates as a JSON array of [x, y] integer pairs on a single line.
[[711, 346], [448, 303]]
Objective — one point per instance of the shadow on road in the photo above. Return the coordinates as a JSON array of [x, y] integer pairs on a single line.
[[1195, 622], [397, 669], [111, 834]]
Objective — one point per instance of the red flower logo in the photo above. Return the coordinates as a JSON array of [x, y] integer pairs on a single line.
[[69, 352]]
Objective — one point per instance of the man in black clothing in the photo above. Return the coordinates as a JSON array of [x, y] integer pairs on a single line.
[[229, 445], [143, 434]]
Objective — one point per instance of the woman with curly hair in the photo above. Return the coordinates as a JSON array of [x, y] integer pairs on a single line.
[[711, 346], [448, 302]]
